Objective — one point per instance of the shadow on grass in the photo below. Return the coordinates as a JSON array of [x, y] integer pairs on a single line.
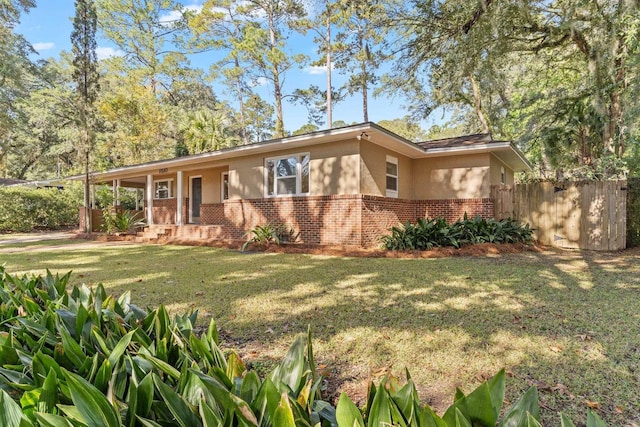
[[566, 322]]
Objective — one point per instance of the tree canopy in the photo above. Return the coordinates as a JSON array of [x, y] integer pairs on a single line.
[[559, 77]]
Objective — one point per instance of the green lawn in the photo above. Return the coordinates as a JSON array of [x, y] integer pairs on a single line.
[[567, 322]]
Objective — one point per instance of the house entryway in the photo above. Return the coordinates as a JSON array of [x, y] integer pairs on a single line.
[[195, 199]]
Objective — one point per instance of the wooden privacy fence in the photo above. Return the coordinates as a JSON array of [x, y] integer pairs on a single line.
[[582, 215]]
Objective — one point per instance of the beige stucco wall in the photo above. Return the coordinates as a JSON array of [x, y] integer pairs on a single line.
[[496, 165], [334, 170], [351, 167], [373, 171], [211, 186], [464, 177]]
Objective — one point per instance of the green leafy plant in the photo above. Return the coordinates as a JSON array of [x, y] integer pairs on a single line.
[[426, 234], [392, 403], [263, 235], [98, 360], [121, 221], [633, 212]]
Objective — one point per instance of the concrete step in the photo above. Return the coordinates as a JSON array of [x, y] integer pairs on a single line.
[[166, 233]]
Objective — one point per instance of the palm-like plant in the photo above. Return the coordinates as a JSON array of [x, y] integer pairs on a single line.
[[206, 130]]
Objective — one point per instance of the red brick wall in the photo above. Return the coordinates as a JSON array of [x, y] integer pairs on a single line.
[[319, 220], [379, 214], [164, 211], [454, 209], [212, 214], [325, 220]]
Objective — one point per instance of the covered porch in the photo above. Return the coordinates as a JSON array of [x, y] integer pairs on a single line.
[[165, 197]]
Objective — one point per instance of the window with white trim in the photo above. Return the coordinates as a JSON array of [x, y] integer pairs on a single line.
[[287, 175], [392, 177], [163, 189], [503, 175]]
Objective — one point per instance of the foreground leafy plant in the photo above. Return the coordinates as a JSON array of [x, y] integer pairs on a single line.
[[95, 359], [120, 221], [426, 234], [83, 358]]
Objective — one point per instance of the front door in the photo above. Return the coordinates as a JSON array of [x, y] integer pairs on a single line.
[[195, 198]]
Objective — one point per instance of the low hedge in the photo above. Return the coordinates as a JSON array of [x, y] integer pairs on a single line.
[[25, 209]]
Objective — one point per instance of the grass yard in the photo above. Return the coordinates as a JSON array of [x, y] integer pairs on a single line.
[[566, 322]]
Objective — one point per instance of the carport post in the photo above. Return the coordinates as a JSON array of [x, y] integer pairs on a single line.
[[149, 194], [116, 193], [179, 198]]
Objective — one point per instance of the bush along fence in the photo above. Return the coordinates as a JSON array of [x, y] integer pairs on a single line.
[[25, 209], [633, 212], [83, 358]]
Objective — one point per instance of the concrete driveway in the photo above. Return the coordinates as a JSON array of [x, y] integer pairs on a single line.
[[12, 239]]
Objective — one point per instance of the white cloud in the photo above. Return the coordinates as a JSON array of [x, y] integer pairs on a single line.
[[260, 81], [43, 46], [107, 52], [316, 69], [175, 15]]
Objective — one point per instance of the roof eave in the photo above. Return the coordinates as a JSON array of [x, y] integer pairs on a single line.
[[518, 162], [318, 137]]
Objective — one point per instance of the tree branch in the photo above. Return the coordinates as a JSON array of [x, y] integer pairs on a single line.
[[476, 16]]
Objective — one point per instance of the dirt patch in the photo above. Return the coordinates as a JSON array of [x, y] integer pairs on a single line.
[[348, 251]]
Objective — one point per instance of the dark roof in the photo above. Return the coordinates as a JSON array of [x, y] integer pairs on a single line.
[[7, 181], [458, 141]]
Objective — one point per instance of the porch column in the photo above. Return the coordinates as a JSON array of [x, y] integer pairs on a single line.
[[92, 202], [179, 198], [149, 194]]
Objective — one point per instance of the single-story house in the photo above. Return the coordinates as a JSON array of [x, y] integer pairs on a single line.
[[343, 186]]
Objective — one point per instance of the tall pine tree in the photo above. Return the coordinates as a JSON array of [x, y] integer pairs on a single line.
[[85, 75]]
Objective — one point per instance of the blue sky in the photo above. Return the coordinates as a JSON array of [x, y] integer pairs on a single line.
[[48, 28]]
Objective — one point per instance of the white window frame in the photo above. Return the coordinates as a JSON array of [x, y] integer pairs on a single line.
[[169, 182], [503, 175], [391, 192], [222, 175], [298, 175]]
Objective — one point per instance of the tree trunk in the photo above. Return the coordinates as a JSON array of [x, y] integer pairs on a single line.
[[328, 41], [277, 90], [616, 114], [87, 204], [365, 95], [478, 104], [278, 95], [243, 124]]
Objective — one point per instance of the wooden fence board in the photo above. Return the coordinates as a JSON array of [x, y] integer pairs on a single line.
[[581, 215]]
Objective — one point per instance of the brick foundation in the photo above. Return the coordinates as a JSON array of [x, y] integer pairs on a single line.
[[318, 220], [323, 220], [454, 209], [164, 211], [212, 214]]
